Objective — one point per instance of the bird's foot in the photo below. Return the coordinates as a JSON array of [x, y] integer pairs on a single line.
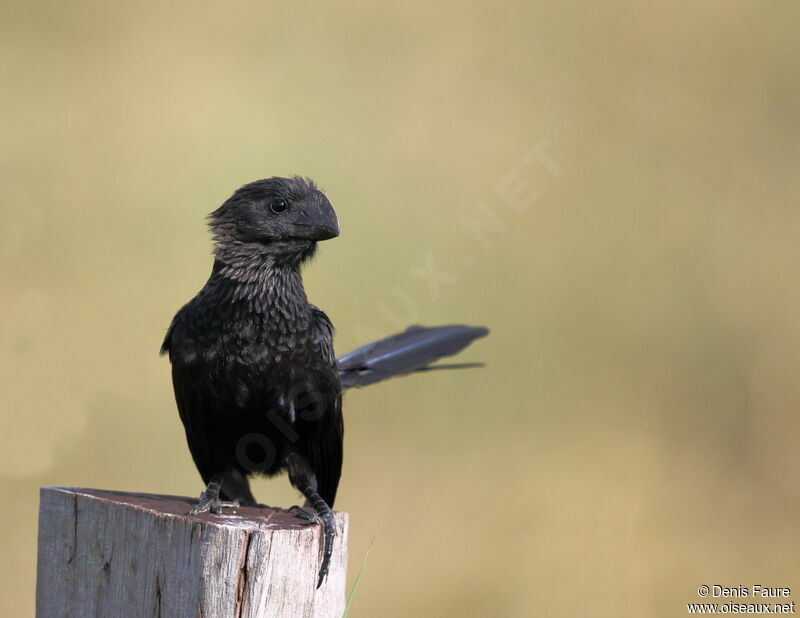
[[211, 503], [301, 513], [325, 519]]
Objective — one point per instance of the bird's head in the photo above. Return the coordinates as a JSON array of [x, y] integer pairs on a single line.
[[281, 217]]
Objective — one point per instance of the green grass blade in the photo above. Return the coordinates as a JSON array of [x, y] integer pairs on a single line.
[[352, 594]]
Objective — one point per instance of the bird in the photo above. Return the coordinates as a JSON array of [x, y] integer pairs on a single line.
[[257, 384]]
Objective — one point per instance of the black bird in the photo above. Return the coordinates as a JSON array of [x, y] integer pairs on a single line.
[[258, 387]]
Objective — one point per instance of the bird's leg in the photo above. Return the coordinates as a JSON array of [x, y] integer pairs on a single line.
[[303, 479], [209, 499]]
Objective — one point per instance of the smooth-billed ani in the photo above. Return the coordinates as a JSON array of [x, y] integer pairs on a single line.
[[257, 384]]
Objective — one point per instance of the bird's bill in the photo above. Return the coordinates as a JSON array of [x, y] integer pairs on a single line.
[[316, 220]]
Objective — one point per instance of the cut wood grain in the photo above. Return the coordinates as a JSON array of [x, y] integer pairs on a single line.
[[107, 553]]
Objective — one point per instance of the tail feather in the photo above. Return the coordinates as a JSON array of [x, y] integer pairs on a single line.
[[412, 350]]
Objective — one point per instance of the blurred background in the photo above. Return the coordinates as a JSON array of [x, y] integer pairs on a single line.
[[611, 187]]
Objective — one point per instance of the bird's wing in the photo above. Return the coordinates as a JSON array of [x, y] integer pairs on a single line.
[[191, 382], [415, 349], [321, 427]]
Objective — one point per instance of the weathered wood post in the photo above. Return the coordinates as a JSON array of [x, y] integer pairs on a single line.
[[105, 553]]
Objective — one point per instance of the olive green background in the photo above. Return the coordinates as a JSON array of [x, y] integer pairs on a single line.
[[635, 431]]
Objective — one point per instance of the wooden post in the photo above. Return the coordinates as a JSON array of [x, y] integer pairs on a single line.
[[107, 553]]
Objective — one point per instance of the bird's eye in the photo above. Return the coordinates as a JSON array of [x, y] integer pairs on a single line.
[[278, 205]]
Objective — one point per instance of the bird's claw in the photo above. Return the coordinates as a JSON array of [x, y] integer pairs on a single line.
[[212, 504], [301, 513]]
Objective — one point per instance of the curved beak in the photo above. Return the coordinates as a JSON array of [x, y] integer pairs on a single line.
[[316, 220]]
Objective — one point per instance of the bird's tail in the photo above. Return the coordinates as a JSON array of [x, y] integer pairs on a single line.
[[415, 349]]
